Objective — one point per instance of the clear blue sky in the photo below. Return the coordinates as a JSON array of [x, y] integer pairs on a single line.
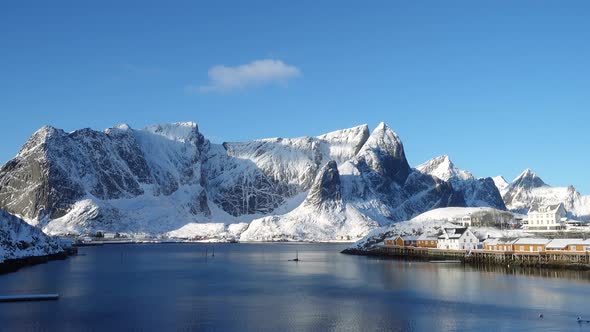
[[498, 85]]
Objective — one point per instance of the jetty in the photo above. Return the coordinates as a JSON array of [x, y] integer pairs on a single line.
[[549, 259], [29, 298]]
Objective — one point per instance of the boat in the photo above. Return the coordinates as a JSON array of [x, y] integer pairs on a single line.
[[296, 259]]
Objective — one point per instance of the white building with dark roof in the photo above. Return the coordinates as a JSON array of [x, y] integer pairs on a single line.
[[550, 217], [457, 238]]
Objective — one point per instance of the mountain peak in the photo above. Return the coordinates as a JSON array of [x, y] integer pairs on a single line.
[[383, 152], [528, 179], [443, 168], [177, 131], [122, 126], [500, 182], [384, 138]]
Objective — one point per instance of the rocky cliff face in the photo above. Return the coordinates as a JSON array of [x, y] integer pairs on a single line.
[[161, 178], [476, 192], [375, 187]]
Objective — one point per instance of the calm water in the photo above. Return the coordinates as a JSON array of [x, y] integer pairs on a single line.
[[252, 287]]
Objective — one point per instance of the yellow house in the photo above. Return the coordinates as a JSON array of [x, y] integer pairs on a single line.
[[530, 244], [498, 245], [572, 245], [401, 241], [427, 242]]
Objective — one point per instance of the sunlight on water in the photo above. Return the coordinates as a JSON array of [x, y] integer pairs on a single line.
[[254, 287]]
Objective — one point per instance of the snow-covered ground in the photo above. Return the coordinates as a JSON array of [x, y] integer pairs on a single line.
[[431, 224], [19, 239]]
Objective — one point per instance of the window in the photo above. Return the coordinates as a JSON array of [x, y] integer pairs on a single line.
[[521, 248]]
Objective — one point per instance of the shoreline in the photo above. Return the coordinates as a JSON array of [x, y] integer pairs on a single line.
[[13, 265], [501, 260]]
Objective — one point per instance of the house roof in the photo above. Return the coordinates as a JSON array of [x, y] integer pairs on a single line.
[[496, 241], [531, 240], [403, 237], [563, 243], [546, 208], [425, 237], [453, 232]]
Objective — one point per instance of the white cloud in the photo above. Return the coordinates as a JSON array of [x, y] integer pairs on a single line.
[[256, 73]]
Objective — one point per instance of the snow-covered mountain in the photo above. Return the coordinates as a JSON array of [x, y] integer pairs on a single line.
[[19, 239], [374, 188], [528, 190], [476, 192], [169, 179]]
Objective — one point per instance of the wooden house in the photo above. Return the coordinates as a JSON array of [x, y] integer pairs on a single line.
[[427, 242], [498, 245], [402, 241], [457, 238], [530, 244]]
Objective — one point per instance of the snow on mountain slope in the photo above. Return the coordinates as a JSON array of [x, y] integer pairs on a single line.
[[476, 192], [160, 178], [375, 187], [501, 184], [453, 213], [528, 190], [169, 179], [19, 239], [323, 216], [443, 168]]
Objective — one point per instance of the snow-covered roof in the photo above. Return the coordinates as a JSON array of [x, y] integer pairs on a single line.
[[496, 241], [563, 243], [404, 237], [531, 240], [424, 237], [546, 208]]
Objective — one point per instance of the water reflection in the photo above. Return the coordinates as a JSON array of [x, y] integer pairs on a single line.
[[253, 287]]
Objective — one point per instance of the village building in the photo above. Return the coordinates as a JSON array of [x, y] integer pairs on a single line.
[[402, 241], [551, 217], [495, 244], [574, 245], [427, 241], [530, 244], [466, 221], [459, 238]]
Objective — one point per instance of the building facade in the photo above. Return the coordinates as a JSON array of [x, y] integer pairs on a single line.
[[459, 238], [530, 244], [550, 217]]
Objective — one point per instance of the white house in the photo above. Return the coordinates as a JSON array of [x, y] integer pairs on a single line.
[[550, 217], [466, 221], [460, 238]]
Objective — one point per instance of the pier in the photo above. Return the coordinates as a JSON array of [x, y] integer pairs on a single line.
[[550, 259], [29, 298]]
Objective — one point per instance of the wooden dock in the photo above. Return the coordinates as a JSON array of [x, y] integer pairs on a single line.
[[555, 259], [29, 298]]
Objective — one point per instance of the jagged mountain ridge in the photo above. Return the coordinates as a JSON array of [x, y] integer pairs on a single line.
[[374, 188], [480, 192], [158, 179], [528, 190]]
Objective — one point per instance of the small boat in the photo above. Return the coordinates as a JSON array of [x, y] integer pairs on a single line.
[[296, 257]]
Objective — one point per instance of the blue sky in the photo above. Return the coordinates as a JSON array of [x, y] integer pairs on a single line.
[[498, 85]]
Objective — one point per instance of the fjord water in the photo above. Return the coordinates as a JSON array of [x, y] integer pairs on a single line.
[[253, 287]]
